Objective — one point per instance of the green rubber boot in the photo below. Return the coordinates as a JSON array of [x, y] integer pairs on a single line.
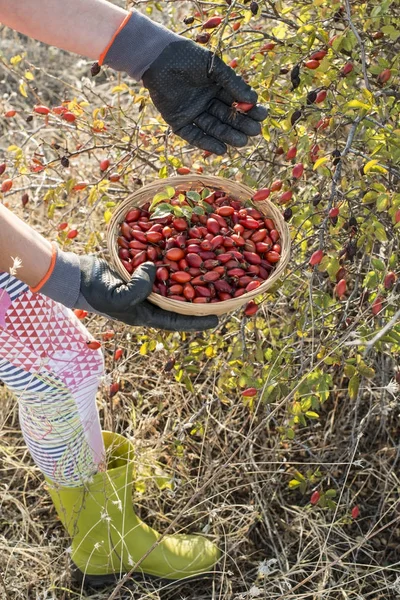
[[108, 539]]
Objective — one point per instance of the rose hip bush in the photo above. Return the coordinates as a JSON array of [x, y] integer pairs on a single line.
[[308, 374]]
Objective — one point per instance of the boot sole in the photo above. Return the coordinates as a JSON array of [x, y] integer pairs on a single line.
[[101, 581]]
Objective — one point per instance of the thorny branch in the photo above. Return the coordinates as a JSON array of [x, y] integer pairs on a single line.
[[337, 175], [361, 44]]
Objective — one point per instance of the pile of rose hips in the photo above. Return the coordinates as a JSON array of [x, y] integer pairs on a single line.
[[221, 254]]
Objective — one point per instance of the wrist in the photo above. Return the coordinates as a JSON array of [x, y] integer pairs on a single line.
[[63, 278], [136, 44]]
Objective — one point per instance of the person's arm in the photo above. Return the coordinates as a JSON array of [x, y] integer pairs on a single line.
[[19, 240], [81, 26], [86, 282], [193, 89]]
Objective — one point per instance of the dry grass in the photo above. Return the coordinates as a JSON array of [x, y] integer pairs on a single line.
[[229, 467], [238, 471]]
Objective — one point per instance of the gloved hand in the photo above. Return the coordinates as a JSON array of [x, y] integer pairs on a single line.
[[89, 283], [191, 87]]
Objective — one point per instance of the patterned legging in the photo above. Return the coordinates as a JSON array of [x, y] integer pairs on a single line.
[[45, 361]]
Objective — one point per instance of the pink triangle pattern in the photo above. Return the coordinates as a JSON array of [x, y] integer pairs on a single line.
[[40, 332]]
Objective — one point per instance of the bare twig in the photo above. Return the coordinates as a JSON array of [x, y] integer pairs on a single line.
[[361, 44], [382, 332]]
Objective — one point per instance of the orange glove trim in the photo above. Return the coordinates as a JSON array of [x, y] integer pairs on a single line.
[[110, 43], [41, 283]]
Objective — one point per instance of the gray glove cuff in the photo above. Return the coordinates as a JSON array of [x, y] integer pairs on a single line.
[[138, 45], [64, 283]]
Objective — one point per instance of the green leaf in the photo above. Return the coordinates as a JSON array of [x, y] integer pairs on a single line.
[[353, 386], [380, 232], [378, 264], [194, 196], [198, 210], [207, 207], [177, 210], [349, 371], [366, 371], [187, 212], [391, 31], [290, 434], [162, 210], [382, 202], [370, 280], [160, 197]]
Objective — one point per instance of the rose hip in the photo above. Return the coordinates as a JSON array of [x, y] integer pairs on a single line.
[[162, 273], [252, 285], [176, 288], [152, 253], [259, 236], [138, 235], [154, 236], [252, 257], [175, 254], [273, 257], [124, 253], [122, 242], [135, 245], [139, 259], [181, 277], [128, 266], [225, 211], [213, 226], [202, 290], [211, 276], [188, 291], [180, 224]]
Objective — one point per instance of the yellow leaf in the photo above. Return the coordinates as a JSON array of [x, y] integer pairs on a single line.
[[373, 165], [22, 89], [312, 415], [369, 165], [29, 76], [358, 104], [143, 349], [107, 215], [293, 483], [14, 60], [368, 95], [119, 88], [209, 351], [320, 162], [98, 124]]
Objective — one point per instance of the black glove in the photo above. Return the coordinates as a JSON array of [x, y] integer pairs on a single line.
[[192, 88], [89, 283], [194, 91]]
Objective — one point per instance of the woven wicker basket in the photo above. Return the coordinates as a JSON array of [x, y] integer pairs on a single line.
[[194, 182]]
